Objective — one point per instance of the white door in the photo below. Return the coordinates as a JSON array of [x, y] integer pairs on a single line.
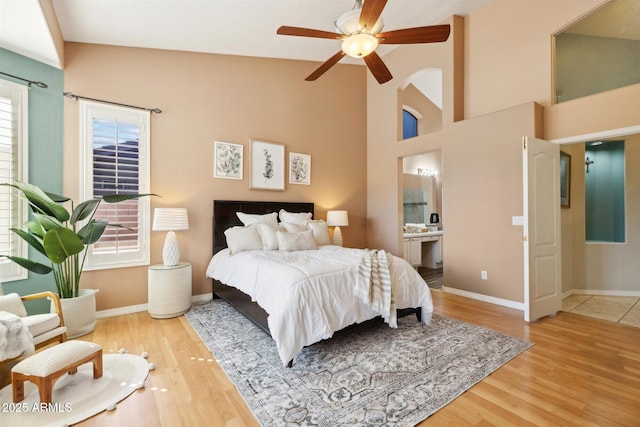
[[542, 267]]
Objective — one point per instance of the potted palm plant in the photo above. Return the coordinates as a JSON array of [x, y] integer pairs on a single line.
[[63, 237]]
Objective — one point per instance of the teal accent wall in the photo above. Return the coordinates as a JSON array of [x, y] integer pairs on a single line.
[[46, 111], [605, 192]]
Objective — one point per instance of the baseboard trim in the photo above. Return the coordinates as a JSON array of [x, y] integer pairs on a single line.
[[112, 312], [608, 293], [485, 298]]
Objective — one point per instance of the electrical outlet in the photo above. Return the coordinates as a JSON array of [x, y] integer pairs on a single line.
[[483, 274]]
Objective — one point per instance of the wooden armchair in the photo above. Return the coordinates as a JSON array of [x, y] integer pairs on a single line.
[[46, 328]]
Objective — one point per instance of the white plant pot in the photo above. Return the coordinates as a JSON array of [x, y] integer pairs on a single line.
[[80, 313]]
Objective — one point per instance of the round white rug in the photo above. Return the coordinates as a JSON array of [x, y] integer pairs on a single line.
[[76, 397]]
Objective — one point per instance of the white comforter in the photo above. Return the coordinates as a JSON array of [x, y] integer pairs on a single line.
[[310, 294]]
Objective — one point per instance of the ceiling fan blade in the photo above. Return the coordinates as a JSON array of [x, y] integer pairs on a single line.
[[377, 68], [432, 34], [325, 66], [307, 32], [371, 11]]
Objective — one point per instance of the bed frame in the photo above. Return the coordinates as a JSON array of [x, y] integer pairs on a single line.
[[224, 216]]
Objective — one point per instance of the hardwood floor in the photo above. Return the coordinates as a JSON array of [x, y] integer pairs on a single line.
[[581, 371]]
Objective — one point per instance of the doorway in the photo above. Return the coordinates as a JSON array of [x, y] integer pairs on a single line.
[[599, 267]]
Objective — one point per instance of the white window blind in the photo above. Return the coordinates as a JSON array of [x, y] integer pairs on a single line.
[[13, 166], [115, 160]]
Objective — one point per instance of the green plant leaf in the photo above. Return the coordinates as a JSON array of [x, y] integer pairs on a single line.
[[61, 243], [57, 197], [34, 267], [47, 222], [91, 232], [116, 198], [36, 228], [40, 201], [84, 210], [32, 240]]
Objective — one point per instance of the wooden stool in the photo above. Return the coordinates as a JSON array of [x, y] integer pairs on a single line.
[[45, 367]]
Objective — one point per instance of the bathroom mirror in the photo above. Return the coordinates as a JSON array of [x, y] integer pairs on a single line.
[[422, 187]]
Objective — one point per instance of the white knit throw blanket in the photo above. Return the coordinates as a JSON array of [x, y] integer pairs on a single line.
[[373, 286], [15, 338]]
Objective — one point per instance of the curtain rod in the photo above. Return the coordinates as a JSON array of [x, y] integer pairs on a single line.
[[151, 110], [39, 84]]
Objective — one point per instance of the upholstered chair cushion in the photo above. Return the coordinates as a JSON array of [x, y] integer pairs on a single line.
[[40, 323]]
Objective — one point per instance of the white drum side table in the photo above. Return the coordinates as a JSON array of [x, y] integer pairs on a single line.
[[169, 290]]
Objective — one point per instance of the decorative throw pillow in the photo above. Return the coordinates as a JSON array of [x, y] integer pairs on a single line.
[[301, 241], [293, 227], [248, 219], [13, 304], [268, 235], [297, 218], [243, 239], [320, 231]]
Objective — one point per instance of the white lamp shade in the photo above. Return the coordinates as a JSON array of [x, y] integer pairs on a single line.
[[170, 219], [337, 218]]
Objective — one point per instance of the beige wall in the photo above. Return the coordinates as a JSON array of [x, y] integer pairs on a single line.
[[507, 79], [214, 97]]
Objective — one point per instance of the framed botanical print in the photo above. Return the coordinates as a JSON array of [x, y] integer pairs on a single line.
[[267, 166], [299, 168], [227, 160]]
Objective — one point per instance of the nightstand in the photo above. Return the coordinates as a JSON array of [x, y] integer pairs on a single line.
[[169, 290]]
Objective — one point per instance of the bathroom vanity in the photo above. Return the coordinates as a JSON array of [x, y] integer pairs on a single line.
[[423, 249]]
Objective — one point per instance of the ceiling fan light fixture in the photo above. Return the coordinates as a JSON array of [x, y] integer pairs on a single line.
[[349, 23], [359, 45]]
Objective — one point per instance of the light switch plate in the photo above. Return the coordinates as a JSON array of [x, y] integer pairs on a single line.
[[517, 220]]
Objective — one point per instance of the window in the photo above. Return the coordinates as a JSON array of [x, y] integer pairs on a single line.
[[409, 125], [115, 160], [598, 52], [13, 166]]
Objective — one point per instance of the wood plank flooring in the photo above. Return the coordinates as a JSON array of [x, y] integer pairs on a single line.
[[581, 371]]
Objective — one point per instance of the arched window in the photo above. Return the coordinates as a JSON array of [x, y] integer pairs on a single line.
[[409, 125]]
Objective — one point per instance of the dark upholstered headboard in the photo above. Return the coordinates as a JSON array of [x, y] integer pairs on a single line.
[[224, 215]]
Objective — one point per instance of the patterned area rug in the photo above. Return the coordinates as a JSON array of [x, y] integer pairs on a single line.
[[372, 376]]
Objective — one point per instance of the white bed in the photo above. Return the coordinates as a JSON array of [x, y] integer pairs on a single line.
[[309, 294]]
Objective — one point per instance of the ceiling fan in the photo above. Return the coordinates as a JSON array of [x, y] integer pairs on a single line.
[[360, 32]]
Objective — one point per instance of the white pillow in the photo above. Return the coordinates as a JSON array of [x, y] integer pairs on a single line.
[[298, 218], [296, 241], [13, 304], [320, 231], [268, 235], [248, 219], [293, 227], [242, 239]]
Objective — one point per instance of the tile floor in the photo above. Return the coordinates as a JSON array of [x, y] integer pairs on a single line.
[[625, 310]]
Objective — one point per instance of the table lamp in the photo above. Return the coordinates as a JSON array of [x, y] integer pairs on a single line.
[[337, 219], [170, 220]]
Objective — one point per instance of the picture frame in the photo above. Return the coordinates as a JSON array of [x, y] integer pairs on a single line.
[[299, 168], [228, 160], [565, 180], [267, 166]]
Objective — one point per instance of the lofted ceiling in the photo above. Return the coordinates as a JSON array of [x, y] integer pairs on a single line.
[[37, 28]]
